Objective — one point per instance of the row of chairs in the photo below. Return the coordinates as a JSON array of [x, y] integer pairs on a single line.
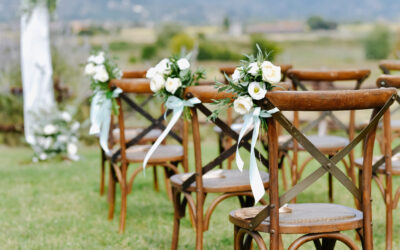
[[326, 218]]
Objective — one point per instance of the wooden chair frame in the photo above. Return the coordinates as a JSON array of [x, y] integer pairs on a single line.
[[379, 101], [298, 77], [182, 196], [118, 173]]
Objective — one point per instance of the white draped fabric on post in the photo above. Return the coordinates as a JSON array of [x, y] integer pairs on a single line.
[[36, 67]]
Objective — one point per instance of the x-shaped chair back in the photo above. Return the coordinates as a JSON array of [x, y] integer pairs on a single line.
[[379, 100], [137, 86], [207, 94], [298, 78], [388, 66]]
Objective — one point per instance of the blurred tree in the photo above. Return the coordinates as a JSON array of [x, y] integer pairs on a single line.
[[226, 23], [149, 52], [181, 42], [377, 43], [271, 47], [216, 51], [318, 23], [166, 32]]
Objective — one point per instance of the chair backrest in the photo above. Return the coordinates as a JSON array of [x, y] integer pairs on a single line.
[[140, 86], [134, 74], [387, 66], [379, 100], [207, 94]]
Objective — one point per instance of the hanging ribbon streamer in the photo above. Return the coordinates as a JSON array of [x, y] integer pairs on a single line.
[[177, 105], [100, 116], [250, 119]]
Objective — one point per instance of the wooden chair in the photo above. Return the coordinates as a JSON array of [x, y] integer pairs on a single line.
[[224, 141], [130, 133], [166, 156], [229, 183], [388, 66], [385, 166], [328, 144], [315, 221]]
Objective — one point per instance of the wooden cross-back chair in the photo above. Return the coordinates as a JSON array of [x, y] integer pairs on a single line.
[[229, 183], [329, 144], [226, 141], [130, 132], [385, 166], [129, 152], [315, 221], [388, 66]]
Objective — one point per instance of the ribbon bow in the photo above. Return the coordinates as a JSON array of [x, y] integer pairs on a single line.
[[253, 118], [100, 116], [177, 105]]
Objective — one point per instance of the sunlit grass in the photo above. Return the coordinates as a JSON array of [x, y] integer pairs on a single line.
[[56, 205]]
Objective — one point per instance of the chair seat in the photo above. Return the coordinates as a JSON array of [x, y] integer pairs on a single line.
[[326, 143], [131, 133], [304, 218], [394, 124], [163, 153], [235, 127], [395, 164], [220, 181]]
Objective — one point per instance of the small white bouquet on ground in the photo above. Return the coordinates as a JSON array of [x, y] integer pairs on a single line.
[[101, 69], [169, 79], [55, 135], [250, 82]]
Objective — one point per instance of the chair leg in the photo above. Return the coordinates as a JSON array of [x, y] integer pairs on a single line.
[[167, 175], [122, 220], [111, 193], [330, 185], [102, 173], [177, 218], [155, 178]]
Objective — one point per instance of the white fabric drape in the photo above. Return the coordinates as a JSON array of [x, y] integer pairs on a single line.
[[36, 67]]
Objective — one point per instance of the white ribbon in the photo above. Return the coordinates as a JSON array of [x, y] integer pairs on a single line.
[[100, 116], [253, 118], [177, 105]]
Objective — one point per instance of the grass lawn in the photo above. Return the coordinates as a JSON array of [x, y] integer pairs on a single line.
[[56, 205]]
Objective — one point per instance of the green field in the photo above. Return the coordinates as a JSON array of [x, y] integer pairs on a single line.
[[56, 205]]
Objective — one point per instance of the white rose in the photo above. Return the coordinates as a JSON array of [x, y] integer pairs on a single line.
[[270, 72], [47, 142], [42, 156], [90, 69], [253, 68], [151, 73], [99, 59], [243, 104], [163, 67], [236, 75], [101, 74], [72, 149], [66, 116], [75, 126], [172, 84], [256, 91], [49, 129], [183, 64], [62, 138], [157, 83]]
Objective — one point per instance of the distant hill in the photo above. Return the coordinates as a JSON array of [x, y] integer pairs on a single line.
[[213, 11]]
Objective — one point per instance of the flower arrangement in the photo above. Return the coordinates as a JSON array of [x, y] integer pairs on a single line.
[[168, 79], [101, 69], [171, 76], [55, 135], [250, 82]]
